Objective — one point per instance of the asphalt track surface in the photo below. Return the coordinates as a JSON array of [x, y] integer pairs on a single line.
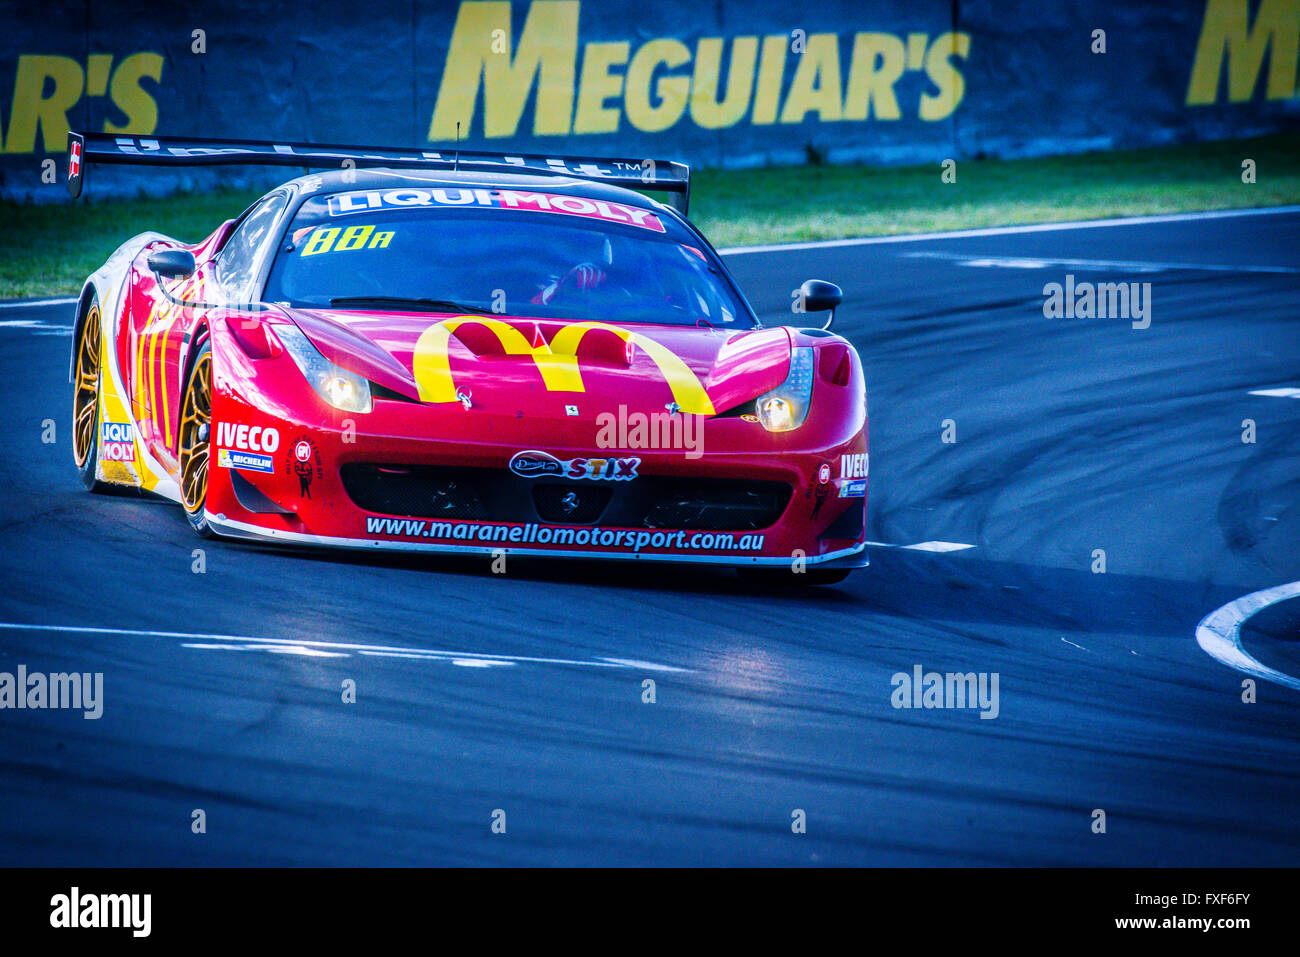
[[523, 692]]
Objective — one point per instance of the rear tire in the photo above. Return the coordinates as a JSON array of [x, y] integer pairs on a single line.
[[85, 402], [195, 442]]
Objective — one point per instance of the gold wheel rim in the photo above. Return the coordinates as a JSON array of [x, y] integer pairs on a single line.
[[194, 450], [86, 398]]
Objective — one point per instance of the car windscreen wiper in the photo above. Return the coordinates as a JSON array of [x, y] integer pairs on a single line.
[[401, 302]]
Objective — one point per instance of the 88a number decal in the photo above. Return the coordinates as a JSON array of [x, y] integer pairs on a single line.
[[336, 239]]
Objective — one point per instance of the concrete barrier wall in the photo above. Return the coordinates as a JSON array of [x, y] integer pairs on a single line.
[[722, 83]]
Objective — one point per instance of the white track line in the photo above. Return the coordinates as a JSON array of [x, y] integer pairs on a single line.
[[926, 546], [37, 327], [28, 303], [296, 649], [1219, 633], [1121, 265], [299, 646], [1278, 393], [1012, 230]]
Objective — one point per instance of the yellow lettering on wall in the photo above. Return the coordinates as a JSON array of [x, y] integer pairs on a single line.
[[876, 66], [32, 109], [653, 110], [943, 73], [771, 71], [816, 87], [98, 67], [130, 97], [599, 85], [547, 52], [1226, 33], [706, 110]]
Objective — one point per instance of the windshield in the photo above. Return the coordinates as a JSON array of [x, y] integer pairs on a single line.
[[511, 252]]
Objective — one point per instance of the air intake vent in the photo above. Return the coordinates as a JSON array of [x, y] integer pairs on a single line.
[[418, 491], [716, 504]]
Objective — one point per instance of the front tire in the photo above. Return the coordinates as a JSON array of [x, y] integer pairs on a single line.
[[195, 442], [85, 402]]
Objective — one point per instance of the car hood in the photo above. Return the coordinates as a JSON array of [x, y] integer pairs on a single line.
[[515, 365]]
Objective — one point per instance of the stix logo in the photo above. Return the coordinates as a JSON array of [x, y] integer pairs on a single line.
[[650, 84], [534, 464], [48, 88], [246, 439], [556, 360], [118, 442]]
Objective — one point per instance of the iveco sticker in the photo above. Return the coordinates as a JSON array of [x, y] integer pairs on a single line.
[[230, 459], [534, 464], [853, 466], [256, 439]]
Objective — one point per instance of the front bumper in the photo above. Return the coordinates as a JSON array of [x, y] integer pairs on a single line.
[[295, 493], [854, 556]]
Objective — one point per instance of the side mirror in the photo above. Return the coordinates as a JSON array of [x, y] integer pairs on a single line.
[[819, 296], [172, 263]]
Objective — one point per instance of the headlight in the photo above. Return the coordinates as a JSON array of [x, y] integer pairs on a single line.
[[340, 388], [786, 406]]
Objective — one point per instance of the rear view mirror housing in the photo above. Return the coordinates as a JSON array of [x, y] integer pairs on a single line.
[[818, 295], [172, 263]]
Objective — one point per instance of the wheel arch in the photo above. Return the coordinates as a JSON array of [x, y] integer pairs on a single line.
[[89, 293]]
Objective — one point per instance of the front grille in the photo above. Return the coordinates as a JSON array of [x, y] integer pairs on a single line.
[[571, 505], [716, 504], [414, 490], [650, 501]]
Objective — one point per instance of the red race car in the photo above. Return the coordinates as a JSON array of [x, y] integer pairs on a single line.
[[466, 353]]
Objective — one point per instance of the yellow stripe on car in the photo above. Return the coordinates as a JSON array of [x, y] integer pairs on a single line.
[[557, 361]]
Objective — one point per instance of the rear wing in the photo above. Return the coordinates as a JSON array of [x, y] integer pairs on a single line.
[[87, 148]]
